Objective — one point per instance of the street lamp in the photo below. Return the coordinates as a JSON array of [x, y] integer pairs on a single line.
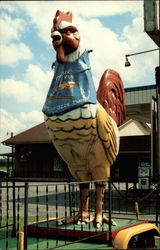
[[157, 134], [127, 63]]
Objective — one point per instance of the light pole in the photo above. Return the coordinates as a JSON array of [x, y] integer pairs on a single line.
[[157, 134], [127, 63]]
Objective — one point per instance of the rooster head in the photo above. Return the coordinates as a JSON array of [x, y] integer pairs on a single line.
[[65, 36]]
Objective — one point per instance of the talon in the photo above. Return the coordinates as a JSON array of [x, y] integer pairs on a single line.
[[60, 222], [79, 222], [114, 223], [97, 225]]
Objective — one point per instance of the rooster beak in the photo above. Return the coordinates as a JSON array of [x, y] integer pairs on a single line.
[[56, 38]]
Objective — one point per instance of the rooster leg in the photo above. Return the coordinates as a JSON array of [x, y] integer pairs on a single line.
[[99, 204], [99, 216], [82, 216]]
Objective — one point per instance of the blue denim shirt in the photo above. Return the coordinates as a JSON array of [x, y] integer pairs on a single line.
[[72, 86]]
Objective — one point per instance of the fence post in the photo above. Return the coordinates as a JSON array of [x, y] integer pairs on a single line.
[[14, 210], [25, 216], [70, 200], [110, 211], [0, 203], [157, 203]]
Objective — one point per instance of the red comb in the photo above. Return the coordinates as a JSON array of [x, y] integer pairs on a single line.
[[61, 16]]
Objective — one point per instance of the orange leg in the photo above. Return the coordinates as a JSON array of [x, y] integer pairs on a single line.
[[99, 216], [82, 216], [100, 188]]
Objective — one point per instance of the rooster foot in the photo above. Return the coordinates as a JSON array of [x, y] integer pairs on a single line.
[[99, 220], [80, 218]]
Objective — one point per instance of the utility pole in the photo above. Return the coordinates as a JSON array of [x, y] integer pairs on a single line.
[[157, 77]]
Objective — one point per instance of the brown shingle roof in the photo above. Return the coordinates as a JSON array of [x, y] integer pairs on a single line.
[[36, 134]]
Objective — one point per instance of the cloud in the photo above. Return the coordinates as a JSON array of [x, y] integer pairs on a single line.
[[8, 123], [10, 28], [9, 6], [32, 89], [81, 10], [37, 77], [33, 117], [14, 53], [109, 48], [103, 8], [12, 50], [17, 124]]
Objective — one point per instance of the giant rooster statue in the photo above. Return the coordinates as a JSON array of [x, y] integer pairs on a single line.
[[84, 133]]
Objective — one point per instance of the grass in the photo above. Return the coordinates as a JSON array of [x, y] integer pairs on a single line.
[[6, 230], [3, 168], [9, 242]]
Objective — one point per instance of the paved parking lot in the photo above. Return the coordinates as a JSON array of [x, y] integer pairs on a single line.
[[53, 200]]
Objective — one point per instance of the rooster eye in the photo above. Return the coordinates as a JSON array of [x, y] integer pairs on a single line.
[[68, 32], [70, 29]]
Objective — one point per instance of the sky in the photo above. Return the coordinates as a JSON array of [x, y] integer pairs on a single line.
[[111, 29]]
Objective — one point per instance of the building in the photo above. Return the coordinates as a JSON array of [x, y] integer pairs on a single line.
[[35, 155]]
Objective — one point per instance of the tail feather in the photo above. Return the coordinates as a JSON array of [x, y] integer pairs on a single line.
[[111, 95]]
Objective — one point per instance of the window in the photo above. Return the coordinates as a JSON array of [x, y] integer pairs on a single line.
[[57, 165]]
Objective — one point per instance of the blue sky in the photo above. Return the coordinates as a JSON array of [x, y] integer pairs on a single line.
[[111, 28]]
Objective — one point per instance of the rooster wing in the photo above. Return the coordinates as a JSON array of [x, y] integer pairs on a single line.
[[111, 95]]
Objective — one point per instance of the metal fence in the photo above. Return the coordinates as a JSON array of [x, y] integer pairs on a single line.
[[34, 209]]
